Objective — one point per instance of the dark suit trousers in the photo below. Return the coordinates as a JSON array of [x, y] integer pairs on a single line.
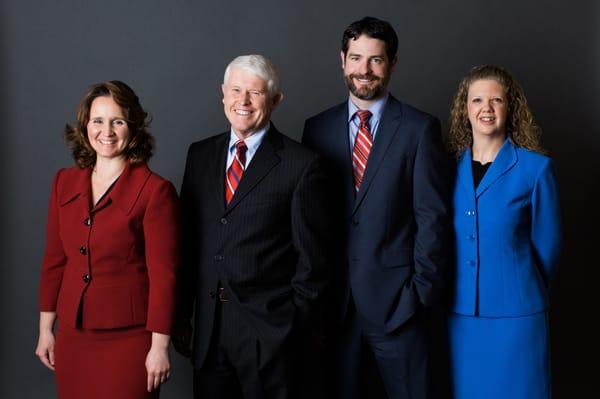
[[232, 371], [401, 359]]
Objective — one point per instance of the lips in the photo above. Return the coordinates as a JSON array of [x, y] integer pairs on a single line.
[[242, 112], [488, 119], [364, 79], [107, 142]]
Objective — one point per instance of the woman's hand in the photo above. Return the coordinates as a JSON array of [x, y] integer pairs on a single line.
[[158, 364], [45, 345]]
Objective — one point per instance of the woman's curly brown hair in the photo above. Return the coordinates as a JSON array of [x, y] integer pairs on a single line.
[[141, 143], [520, 124]]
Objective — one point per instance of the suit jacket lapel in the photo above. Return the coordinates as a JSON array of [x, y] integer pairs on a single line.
[[216, 169], [340, 143], [388, 127], [80, 188], [465, 173], [505, 160], [263, 161], [127, 188]]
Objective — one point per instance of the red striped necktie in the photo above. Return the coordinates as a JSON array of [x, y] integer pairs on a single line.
[[362, 148], [235, 171]]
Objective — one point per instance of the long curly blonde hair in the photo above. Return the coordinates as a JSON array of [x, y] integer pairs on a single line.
[[520, 124]]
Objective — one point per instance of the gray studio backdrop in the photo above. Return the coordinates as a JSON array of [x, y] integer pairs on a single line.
[[173, 54]]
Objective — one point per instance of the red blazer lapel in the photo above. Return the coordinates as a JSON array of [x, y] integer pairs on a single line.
[[129, 186]]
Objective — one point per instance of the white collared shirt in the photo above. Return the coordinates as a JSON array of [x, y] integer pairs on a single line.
[[353, 119], [252, 142]]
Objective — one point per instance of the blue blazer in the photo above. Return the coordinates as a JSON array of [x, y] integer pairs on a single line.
[[395, 232], [507, 234]]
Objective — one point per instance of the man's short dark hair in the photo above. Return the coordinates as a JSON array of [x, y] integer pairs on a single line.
[[374, 28]]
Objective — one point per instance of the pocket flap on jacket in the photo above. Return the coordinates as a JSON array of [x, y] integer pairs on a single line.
[[114, 307]]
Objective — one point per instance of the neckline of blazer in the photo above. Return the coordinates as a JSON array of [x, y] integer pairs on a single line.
[[505, 160], [127, 189]]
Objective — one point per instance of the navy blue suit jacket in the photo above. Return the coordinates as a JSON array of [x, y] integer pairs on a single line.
[[395, 233]]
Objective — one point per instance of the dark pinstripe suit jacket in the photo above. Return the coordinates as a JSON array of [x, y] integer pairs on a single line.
[[267, 248]]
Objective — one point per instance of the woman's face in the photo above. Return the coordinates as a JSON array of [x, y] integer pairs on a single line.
[[107, 128], [487, 108]]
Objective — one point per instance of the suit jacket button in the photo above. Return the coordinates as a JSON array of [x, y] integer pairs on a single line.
[[83, 250], [211, 294], [218, 258], [355, 222], [472, 237], [472, 263], [87, 222], [223, 221], [86, 278]]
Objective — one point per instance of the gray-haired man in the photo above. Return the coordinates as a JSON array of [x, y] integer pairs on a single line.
[[255, 237]]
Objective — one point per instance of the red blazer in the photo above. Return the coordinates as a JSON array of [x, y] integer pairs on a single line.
[[115, 261]]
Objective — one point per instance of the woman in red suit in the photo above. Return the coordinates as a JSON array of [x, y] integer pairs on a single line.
[[108, 274]]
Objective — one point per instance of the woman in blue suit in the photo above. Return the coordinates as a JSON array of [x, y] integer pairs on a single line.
[[507, 242]]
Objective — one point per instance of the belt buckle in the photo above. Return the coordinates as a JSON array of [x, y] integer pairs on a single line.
[[223, 295]]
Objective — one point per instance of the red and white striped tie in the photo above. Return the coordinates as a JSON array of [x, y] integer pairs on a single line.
[[362, 148], [235, 171]]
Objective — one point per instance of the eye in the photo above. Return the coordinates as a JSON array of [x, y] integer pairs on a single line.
[[498, 100], [256, 93], [377, 60], [119, 122], [97, 121], [476, 100], [354, 58]]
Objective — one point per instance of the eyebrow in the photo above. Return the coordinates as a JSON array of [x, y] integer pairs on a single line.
[[249, 89], [109, 118], [361, 55]]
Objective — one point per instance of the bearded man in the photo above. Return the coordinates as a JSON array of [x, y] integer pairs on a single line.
[[392, 189]]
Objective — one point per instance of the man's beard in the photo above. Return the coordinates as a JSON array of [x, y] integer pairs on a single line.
[[366, 93]]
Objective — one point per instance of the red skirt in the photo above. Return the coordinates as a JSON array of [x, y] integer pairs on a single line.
[[102, 363]]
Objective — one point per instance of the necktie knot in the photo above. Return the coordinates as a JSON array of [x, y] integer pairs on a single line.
[[241, 147], [364, 116]]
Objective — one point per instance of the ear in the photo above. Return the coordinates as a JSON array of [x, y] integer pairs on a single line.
[[393, 63], [343, 59], [276, 100]]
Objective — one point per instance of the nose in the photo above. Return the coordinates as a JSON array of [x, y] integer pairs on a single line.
[[488, 106], [245, 98], [107, 128], [364, 67]]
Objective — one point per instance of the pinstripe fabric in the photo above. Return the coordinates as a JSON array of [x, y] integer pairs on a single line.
[[267, 247], [362, 148]]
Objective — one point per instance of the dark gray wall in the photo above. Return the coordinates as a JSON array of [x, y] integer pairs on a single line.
[[173, 54]]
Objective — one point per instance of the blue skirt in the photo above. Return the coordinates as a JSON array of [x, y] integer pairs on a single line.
[[502, 357]]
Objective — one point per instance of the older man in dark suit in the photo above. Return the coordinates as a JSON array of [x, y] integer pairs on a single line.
[[393, 189], [255, 231]]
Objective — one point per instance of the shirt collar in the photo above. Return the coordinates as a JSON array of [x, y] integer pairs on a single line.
[[252, 142], [376, 109]]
